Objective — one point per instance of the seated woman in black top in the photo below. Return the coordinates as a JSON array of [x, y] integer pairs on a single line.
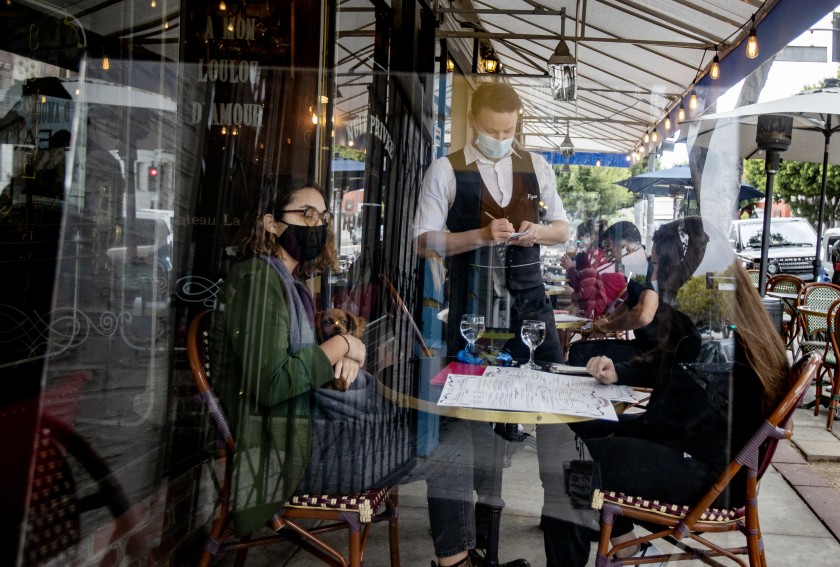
[[684, 440]]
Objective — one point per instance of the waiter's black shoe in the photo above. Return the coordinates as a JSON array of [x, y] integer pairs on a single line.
[[478, 560]]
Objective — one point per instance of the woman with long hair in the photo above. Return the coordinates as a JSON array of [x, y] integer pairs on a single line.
[[675, 449], [294, 435]]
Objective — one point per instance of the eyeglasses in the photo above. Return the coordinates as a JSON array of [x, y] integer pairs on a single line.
[[311, 215]]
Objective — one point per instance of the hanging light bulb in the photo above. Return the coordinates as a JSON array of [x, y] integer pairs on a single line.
[[450, 65], [224, 130], [681, 113], [314, 118], [598, 162], [668, 123], [714, 72], [692, 101], [154, 4], [43, 99], [350, 143], [106, 63], [230, 27], [628, 157], [647, 137], [166, 25], [752, 41], [222, 6], [654, 136]]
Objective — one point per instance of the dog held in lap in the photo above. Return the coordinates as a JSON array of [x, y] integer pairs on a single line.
[[333, 322]]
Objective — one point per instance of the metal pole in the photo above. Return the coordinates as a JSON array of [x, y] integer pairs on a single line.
[[818, 255], [771, 166]]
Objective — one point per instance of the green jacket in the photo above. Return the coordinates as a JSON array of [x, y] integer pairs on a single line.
[[266, 391]]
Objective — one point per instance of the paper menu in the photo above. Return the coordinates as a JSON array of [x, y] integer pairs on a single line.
[[516, 389]]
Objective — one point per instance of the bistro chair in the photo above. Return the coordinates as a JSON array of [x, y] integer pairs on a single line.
[[353, 512], [812, 314], [832, 355], [787, 283], [754, 277], [680, 523]]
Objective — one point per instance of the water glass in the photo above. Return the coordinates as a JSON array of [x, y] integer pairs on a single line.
[[533, 335], [472, 327]]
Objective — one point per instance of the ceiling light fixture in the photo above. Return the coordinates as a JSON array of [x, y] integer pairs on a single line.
[[491, 63], [567, 148], [562, 68], [752, 41]]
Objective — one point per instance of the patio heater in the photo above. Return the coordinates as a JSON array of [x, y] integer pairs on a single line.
[[773, 134]]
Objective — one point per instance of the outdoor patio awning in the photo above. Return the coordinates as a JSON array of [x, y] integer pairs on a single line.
[[636, 61]]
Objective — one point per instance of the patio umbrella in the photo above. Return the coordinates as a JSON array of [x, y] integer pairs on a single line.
[[661, 183], [816, 116]]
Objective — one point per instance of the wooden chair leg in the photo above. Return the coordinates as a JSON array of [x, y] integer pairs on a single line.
[[355, 546], [834, 402], [818, 383], [393, 505]]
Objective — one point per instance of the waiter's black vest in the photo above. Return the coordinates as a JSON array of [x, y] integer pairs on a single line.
[[470, 211]]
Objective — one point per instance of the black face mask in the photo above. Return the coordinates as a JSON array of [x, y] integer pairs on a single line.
[[303, 243]]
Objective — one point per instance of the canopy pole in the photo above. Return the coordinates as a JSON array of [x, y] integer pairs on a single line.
[[771, 166], [818, 255]]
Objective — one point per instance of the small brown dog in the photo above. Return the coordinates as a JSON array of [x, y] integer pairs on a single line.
[[332, 322]]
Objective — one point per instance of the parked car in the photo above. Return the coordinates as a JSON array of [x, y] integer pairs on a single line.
[[793, 244]]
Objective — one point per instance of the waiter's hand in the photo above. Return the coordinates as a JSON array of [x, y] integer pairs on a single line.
[[529, 232], [602, 369], [498, 230]]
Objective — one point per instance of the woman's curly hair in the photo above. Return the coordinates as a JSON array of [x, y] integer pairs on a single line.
[[275, 196]]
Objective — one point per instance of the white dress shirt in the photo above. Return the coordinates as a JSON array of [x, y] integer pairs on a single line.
[[438, 190]]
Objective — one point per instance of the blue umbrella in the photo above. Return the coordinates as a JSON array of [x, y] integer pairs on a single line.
[[663, 183]]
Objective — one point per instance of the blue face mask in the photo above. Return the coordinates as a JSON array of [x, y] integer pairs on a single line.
[[491, 147]]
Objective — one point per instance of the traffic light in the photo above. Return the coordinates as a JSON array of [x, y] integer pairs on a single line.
[[153, 173]]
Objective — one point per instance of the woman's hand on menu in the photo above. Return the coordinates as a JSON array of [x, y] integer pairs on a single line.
[[602, 369]]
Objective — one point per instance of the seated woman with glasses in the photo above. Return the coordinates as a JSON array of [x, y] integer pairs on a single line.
[[291, 431]]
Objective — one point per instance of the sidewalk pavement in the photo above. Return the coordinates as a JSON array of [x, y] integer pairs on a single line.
[[799, 512]]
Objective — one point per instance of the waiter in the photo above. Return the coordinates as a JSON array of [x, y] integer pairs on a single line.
[[471, 204]]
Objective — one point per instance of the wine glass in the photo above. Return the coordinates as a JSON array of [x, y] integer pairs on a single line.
[[472, 327], [533, 335]]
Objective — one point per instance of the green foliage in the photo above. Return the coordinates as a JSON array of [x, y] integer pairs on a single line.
[[591, 192], [706, 305], [799, 184], [350, 153]]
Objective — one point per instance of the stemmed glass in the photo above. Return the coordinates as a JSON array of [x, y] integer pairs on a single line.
[[472, 327], [533, 335]]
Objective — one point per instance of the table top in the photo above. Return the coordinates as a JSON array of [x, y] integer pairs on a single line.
[[805, 310], [408, 383], [782, 295]]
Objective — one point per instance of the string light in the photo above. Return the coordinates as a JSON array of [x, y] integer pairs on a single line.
[[714, 72], [654, 137], [752, 41], [106, 63], [681, 113], [598, 162], [450, 65], [668, 123], [692, 101], [222, 6], [154, 4], [647, 137]]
